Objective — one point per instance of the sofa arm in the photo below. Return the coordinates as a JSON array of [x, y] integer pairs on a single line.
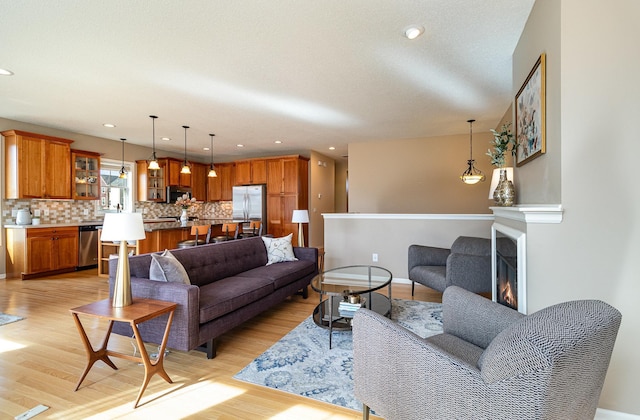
[[306, 254], [184, 333], [401, 375], [474, 318], [427, 255]]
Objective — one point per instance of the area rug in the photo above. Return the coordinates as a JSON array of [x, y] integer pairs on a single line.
[[8, 319], [301, 362]]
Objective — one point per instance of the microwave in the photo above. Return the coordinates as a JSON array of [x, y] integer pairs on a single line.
[[173, 193]]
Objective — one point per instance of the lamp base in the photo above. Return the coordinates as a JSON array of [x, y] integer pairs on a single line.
[[122, 288], [300, 236]]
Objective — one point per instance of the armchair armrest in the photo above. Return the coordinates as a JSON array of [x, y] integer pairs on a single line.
[[427, 255], [474, 318], [401, 375]]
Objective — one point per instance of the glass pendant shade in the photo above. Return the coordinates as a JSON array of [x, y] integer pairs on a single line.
[[471, 175], [212, 172], [153, 162]]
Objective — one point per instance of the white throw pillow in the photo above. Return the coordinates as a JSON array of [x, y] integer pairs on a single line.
[[167, 268], [279, 249]]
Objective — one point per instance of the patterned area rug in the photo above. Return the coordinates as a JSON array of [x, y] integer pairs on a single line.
[[301, 362], [8, 319]]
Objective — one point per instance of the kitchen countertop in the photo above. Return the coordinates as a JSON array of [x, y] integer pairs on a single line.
[[150, 225]]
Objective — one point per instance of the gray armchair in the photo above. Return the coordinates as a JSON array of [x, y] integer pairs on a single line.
[[467, 264], [491, 362]]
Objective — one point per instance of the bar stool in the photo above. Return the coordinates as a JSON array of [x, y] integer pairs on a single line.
[[197, 230], [255, 229], [230, 231]]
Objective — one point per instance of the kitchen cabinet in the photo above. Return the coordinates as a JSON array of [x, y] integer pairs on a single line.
[[287, 190], [174, 178], [151, 182], [37, 166], [251, 172], [220, 188], [34, 252], [85, 174], [199, 181]]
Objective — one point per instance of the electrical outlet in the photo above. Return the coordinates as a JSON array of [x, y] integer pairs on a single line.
[[85, 212], [374, 257], [46, 212], [36, 212]]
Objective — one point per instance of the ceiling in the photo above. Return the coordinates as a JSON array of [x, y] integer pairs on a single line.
[[311, 74]]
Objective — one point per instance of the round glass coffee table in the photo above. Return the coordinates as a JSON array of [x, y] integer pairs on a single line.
[[347, 289]]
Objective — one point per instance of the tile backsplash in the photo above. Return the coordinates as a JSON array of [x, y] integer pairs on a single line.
[[73, 211]]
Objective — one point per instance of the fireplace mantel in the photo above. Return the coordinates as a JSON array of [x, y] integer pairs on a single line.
[[546, 213]]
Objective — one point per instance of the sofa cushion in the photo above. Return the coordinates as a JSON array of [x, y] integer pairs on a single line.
[[165, 267], [279, 249], [230, 294], [282, 274]]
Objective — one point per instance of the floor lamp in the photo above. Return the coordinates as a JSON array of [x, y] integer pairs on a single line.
[[300, 217], [122, 227]]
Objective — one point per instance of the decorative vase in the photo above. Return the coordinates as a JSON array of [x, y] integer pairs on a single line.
[[504, 194], [183, 216]]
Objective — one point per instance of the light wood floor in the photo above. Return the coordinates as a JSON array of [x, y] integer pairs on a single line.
[[41, 358]]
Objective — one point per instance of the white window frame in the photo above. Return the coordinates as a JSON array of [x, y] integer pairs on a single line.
[[130, 167]]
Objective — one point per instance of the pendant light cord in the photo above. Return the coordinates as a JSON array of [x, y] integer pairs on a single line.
[[471, 138]]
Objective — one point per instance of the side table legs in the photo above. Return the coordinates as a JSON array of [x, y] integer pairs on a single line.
[[93, 355]]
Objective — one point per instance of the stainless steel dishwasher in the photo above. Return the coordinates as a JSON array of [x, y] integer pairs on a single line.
[[88, 246]]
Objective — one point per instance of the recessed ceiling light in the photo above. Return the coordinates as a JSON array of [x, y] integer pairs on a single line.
[[278, 142], [413, 31], [166, 138], [5, 72], [109, 125], [240, 145], [332, 148]]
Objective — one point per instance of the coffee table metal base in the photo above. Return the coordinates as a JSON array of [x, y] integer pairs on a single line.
[[326, 314]]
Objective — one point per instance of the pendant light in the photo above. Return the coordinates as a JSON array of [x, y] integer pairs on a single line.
[[212, 171], [153, 163], [186, 169], [123, 171], [471, 175]]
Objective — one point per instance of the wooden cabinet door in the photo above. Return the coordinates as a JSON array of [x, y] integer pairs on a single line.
[[214, 186], [290, 178], [275, 215], [259, 171], [274, 176], [173, 172], [243, 172], [66, 246], [40, 254], [58, 175], [30, 167], [226, 173], [199, 181]]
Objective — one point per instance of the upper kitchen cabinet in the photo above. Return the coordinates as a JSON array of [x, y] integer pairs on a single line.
[[287, 175], [199, 181], [251, 172], [173, 176], [85, 175], [151, 182], [37, 166], [220, 188]]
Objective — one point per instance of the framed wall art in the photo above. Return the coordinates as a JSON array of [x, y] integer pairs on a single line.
[[530, 115]]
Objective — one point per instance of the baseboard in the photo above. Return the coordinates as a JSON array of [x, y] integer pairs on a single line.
[[400, 281], [602, 414]]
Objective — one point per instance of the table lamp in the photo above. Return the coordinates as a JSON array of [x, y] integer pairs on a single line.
[[300, 217], [122, 227]]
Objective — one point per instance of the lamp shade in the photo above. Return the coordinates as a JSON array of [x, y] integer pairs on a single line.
[[122, 227], [300, 216], [495, 178]]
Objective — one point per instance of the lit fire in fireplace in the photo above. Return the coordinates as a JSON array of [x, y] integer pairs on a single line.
[[507, 295]]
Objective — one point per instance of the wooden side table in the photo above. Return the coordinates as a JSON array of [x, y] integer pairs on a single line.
[[139, 311]]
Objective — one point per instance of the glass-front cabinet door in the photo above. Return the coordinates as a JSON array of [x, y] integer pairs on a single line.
[[86, 175]]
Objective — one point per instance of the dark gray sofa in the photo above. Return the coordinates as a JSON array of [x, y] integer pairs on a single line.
[[230, 284]]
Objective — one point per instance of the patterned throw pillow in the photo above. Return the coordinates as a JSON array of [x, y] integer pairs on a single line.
[[167, 268], [279, 249]]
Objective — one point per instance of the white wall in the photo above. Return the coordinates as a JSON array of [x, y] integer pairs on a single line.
[[592, 138]]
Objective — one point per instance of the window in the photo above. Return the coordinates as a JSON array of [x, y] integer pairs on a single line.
[[115, 193]]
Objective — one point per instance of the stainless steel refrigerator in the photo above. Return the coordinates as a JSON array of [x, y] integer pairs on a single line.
[[250, 203]]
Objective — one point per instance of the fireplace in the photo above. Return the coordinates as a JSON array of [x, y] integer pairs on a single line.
[[508, 250]]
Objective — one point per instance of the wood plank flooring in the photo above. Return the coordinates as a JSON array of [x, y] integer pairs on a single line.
[[41, 358]]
